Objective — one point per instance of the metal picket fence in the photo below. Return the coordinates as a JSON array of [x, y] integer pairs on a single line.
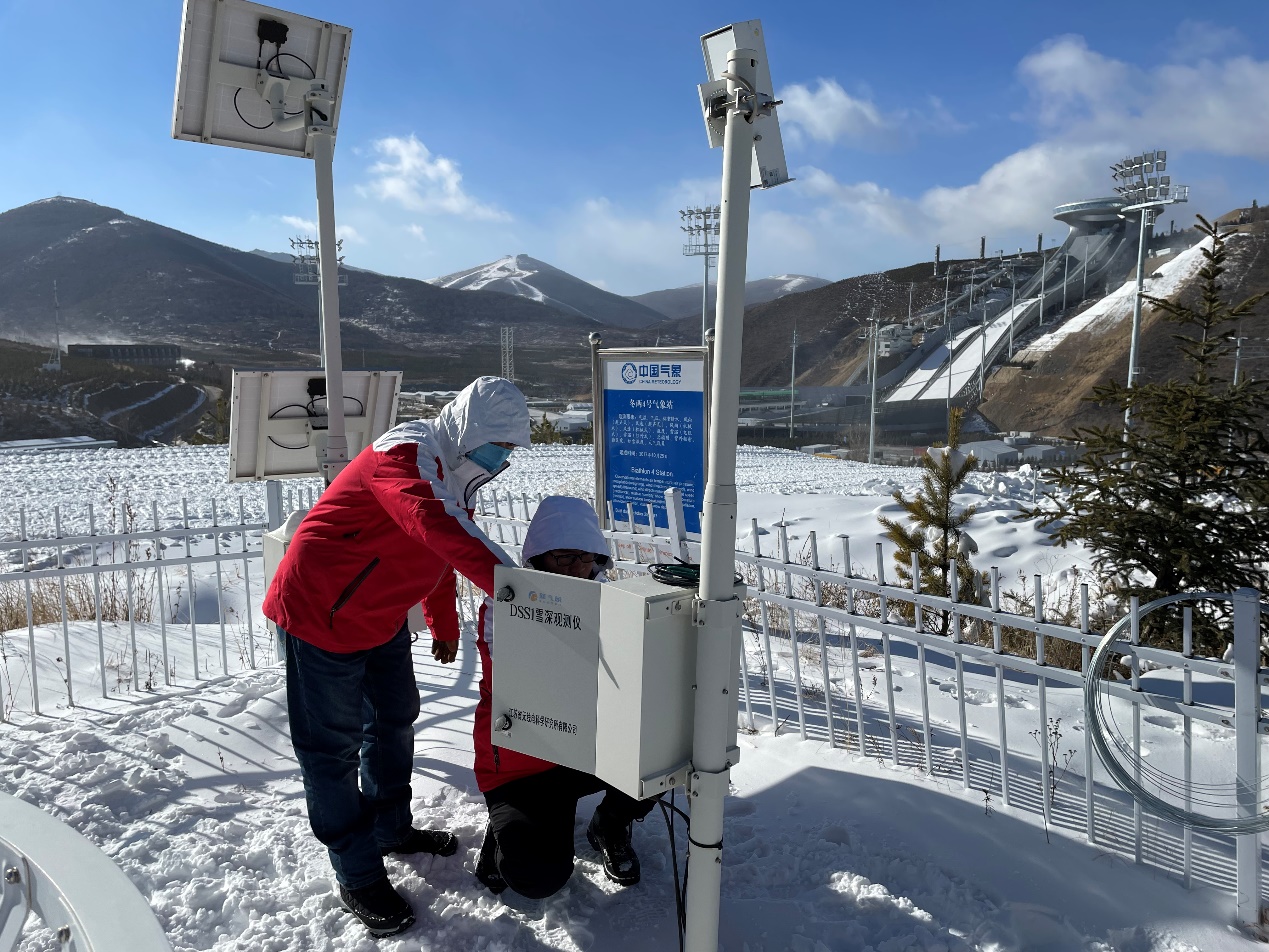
[[819, 618], [807, 613]]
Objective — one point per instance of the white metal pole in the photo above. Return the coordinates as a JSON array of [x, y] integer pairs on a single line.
[[982, 358], [1066, 276], [705, 294], [872, 401], [1013, 307], [793, 376], [1247, 749], [335, 456], [1044, 276], [1136, 316], [717, 609]]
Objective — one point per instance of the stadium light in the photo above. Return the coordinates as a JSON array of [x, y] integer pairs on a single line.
[[702, 241], [1146, 194]]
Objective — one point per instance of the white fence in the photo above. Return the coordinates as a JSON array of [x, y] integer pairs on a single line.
[[804, 619], [827, 649]]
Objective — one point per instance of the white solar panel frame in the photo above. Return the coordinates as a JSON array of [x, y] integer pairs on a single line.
[[218, 56], [261, 440], [769, 167]]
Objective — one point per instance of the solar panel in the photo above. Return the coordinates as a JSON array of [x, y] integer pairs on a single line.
[[769, 167], [223, 61]]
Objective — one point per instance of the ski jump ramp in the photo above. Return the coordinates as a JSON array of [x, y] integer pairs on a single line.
[[971, 350]]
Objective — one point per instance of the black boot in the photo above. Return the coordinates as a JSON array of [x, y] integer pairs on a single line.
[[436, 842], [380, 908], [487, 865], [621, 865]]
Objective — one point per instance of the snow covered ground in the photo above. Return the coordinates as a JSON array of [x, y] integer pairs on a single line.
[[196, 795]]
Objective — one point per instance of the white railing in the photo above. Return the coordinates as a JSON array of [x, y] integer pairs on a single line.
[[839, 604], [819, 618], [83, 898]]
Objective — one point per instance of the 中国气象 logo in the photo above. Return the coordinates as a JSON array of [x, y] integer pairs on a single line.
[[629, 373]]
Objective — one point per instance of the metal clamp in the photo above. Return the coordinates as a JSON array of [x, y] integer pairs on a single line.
[[704, 610], [505, 594]]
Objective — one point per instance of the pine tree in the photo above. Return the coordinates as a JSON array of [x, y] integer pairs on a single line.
[[544, 431], [1180, 502], [934, 525]]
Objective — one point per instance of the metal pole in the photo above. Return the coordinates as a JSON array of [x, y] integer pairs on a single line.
[[334, 456], [947, 332], [1238, 352], [1136, 316], [1066, 274], [872, 401], [1084, 289], [1247, 749], [793, 376], [1013, 308], [1043, 278], [705, 296], [717, 609], [982, 359]]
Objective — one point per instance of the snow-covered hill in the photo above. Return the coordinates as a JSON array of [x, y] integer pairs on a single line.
[[536, 280]]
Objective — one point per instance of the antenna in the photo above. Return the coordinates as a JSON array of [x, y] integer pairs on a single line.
[[509, 353]]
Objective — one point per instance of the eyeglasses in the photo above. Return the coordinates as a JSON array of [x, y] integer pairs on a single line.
[[566, 559]]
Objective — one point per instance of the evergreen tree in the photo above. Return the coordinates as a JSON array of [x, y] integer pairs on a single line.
[[544, 431], [934, 524], [1179, 502]]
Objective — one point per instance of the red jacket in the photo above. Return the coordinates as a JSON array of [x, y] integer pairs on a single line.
[[495, 765], [393, 527]]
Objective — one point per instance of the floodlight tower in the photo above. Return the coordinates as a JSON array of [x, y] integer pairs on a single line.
[[739, 112], [287, 103], [509, 353], [701, 227], [1146, 192]]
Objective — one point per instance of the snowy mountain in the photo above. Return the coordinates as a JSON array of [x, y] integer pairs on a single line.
[[684, 301], [122, 278], [538, 281]]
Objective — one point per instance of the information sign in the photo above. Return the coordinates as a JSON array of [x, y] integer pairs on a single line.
[[650, 431]]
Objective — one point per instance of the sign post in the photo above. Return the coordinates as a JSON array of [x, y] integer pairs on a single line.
[[650, 425]]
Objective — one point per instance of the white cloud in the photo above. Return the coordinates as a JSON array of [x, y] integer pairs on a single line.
[[1215, 106], [829, 114], [309, 227], [417, 231], [409, 175]]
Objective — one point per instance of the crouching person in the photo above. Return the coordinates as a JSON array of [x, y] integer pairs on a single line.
[[528, 844]]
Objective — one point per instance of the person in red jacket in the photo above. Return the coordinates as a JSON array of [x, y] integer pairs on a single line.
[[532, 803], [388, 533]]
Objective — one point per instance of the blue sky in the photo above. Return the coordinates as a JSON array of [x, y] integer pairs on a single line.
[[570, 131]]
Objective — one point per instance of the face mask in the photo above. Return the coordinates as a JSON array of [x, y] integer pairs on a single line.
[[489, 456]]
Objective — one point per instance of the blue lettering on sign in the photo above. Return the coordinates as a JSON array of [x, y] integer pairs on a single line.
[[654, 440]]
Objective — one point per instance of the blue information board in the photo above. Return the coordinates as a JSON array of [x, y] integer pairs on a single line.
[[653, 435]]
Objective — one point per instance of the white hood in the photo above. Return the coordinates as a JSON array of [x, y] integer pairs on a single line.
[[564, 522], [487, 410]]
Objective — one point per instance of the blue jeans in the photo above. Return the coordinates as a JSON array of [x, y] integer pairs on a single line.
[[354, 713]]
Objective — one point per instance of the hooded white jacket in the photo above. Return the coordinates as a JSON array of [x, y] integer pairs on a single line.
[[393, 527]]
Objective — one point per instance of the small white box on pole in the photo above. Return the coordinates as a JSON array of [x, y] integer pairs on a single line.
[[599, 676]]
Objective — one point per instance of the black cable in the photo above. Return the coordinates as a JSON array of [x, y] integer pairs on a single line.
[[361, 407], [680, 575], [674, 864], [278, 54], [308, 412], [242, 117]]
